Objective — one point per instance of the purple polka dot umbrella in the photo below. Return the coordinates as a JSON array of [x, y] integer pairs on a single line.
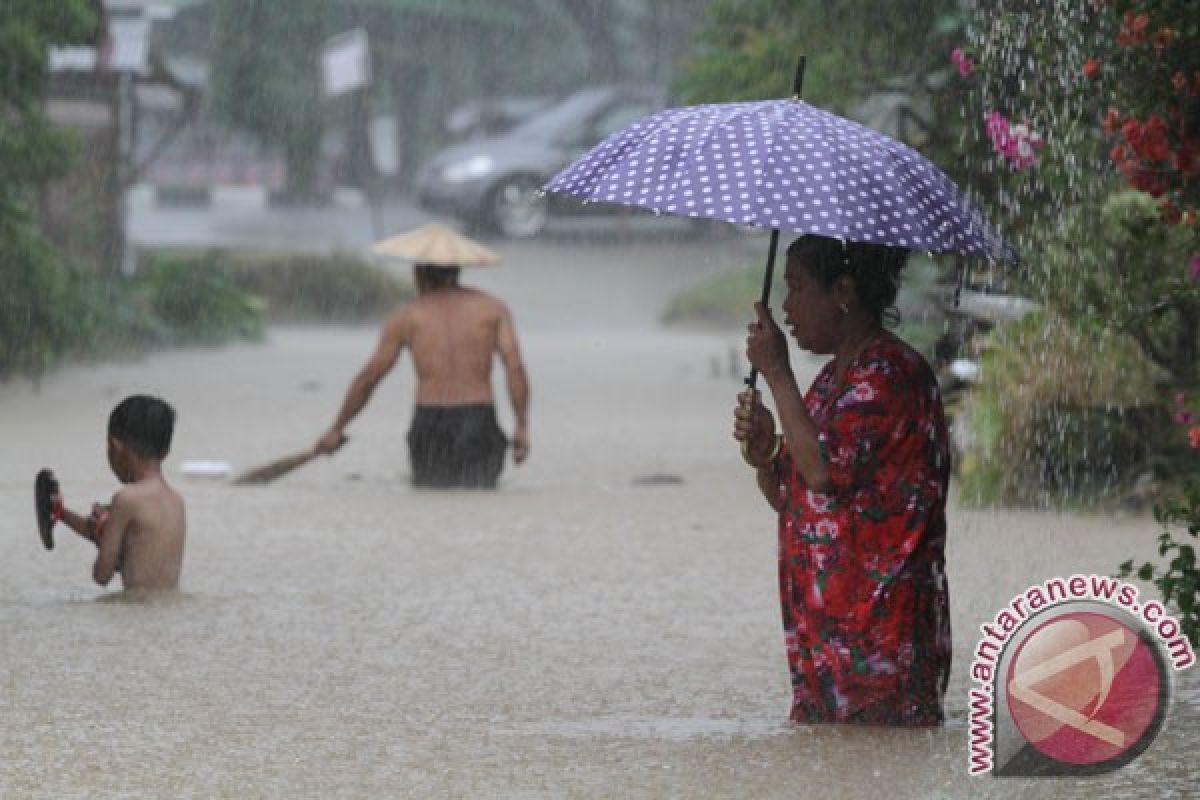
[[783, 165]]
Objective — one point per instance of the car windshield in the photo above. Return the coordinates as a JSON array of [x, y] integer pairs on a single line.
[[555, 121]]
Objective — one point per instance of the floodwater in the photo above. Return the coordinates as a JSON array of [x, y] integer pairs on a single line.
[[577, 634]]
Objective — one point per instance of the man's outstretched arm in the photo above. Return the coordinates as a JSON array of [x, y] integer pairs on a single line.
[[392, 340], [518, 385]]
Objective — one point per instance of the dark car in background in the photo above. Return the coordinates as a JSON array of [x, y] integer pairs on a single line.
[[495, 182]]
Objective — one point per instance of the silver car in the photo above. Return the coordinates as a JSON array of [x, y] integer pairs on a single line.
[[495, 183]]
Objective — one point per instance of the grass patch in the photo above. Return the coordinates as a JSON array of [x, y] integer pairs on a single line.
[[727, 300], [724, 301]]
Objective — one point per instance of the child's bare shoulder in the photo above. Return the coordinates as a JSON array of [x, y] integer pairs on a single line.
[[147, 493]]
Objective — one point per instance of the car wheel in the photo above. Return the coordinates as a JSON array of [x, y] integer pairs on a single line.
[[517, 207]]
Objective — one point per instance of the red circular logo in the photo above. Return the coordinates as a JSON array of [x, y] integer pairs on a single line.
[[1085, 688]]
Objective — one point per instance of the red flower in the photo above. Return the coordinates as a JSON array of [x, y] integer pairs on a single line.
[[1163, 39], [1180, 82], [1133, 132], [1170, 212], [1091, 68], [1111, 120], [1148, 139], [1187, 158], [1143, 179], [1133, 30], [1194, 437], [1156, 147]]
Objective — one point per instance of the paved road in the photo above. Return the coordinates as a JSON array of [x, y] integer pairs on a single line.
[[240, 217]]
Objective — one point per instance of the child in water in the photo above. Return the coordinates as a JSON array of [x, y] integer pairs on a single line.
[[141, 533]]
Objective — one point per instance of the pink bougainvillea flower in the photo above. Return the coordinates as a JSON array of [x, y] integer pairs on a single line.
[[1185, 417], [1018, 144], [964, 64]]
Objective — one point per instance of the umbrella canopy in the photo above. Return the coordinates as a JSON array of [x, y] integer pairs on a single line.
[[783, 165], [437, 244]]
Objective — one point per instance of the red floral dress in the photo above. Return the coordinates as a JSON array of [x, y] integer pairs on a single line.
[[861, 569]]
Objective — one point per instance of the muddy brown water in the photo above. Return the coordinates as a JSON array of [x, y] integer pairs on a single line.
[[578, 633]]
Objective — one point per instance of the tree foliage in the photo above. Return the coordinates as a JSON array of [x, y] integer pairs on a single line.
[[888, 70], [427, 57], [266, 79], [750, 49], [1085, 82], [40, 305], [1079, 120]]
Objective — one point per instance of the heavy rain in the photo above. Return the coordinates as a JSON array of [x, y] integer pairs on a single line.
[[245, 209]]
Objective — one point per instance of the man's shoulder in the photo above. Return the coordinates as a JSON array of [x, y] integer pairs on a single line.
[[463, 297], [480, 296]]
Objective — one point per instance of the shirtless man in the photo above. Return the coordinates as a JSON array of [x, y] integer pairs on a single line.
[[453, 333], [141, 534]]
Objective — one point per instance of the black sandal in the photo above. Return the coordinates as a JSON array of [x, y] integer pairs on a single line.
[[45, 486]]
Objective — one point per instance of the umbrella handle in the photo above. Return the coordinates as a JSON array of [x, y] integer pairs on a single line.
[[765, 297], [776, 446], [748, 404]]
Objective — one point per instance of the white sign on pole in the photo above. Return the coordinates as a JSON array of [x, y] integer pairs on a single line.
[[345, 62]]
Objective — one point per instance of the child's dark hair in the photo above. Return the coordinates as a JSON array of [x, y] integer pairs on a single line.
[[144, 424], [875, 269]]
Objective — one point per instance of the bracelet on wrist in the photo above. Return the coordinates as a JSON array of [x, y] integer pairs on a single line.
[[776, 446]]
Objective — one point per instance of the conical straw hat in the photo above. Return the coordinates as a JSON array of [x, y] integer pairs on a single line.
[[437, 244]]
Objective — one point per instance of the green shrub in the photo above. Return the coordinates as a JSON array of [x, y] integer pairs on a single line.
[[46, 311], [328, 288], [195, 301], [1178, 579], [1063, 415]]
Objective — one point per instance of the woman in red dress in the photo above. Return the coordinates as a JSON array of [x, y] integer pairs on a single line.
[[858, 474]]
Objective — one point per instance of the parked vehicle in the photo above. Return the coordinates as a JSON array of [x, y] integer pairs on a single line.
[[491, 116], [495, 182]]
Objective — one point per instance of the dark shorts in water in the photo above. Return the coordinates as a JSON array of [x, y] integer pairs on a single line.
[[456, 447]]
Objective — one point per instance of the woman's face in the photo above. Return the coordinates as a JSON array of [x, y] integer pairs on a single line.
[[810, 311]]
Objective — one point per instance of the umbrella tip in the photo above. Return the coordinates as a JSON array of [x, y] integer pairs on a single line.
[[798, 83]]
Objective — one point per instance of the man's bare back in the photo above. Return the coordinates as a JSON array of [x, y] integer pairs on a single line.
[[453, 334]]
